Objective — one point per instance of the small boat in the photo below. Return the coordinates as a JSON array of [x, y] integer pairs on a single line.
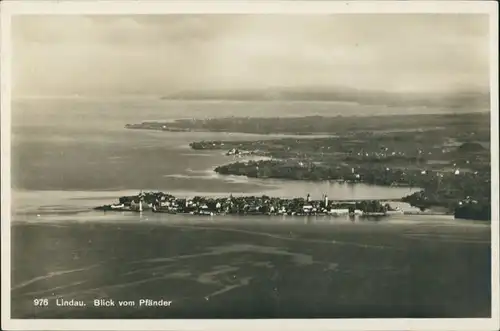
[[394, 212], [375, 214], [113, 208], [204, 212], [163, 210]]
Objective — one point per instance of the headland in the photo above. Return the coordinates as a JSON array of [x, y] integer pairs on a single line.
[[446, 156]]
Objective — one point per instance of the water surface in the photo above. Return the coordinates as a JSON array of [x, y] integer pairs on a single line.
[[69, 155]]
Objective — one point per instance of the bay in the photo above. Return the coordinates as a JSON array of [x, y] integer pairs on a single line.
[[69, 155]]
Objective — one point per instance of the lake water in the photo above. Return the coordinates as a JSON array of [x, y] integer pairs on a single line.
[[80, 145], [69, 155]]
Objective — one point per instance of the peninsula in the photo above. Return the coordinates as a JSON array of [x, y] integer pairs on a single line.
[[447, 156]]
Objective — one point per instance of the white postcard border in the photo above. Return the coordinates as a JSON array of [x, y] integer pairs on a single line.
[[9, 8]]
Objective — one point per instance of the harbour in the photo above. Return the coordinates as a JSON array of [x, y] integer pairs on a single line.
[[160, 202]]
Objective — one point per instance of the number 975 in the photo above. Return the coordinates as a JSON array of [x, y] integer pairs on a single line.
[[40, 302]]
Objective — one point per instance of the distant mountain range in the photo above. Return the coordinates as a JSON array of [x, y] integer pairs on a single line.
[[456, 99]]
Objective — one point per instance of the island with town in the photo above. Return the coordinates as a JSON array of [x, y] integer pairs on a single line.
[[161, 202], [445, 156]]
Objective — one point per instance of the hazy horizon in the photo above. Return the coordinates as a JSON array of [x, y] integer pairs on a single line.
[[155, 55]]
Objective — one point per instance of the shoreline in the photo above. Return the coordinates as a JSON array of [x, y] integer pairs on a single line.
[[160, 202], [264, 164]]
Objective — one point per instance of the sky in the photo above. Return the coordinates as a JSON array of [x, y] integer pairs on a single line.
[[161, 54]]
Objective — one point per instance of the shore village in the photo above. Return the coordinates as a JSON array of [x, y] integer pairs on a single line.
[[248, 205], [446, 158]]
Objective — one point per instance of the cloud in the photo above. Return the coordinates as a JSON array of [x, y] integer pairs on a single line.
[[156, 54]]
